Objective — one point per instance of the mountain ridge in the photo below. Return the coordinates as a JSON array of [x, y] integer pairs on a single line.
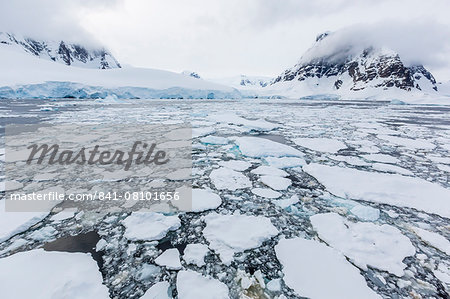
[[72, 54], [345, 68]]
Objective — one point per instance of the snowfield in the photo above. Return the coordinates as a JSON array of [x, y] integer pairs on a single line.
[[25, 76]]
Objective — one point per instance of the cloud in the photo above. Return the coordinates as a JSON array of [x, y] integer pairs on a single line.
[[49, 19], [416, 42], [231, 37]]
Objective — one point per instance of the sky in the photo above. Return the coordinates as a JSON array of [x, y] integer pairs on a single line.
[[222, 38]]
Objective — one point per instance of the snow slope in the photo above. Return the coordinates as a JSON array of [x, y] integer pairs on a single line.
[[24, 75], [61, 51]]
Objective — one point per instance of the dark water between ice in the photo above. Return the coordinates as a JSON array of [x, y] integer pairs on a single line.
[[80, 243]]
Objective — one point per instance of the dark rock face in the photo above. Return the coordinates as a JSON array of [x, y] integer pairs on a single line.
[[63, 52], [191, 74], [374, 67], [247, 82]]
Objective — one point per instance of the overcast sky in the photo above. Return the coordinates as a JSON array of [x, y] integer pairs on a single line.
[[219, 38]]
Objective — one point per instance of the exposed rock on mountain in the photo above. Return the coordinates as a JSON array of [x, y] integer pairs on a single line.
[[191, 74], [347, 67], [62, 52]]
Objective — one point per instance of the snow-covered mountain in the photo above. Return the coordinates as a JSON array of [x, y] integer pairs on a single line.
[[244, 81], [32, 69], [191, 74], [61, 51], [343, 68]]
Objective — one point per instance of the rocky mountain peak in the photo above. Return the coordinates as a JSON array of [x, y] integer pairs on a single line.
[[349, 67], [61, 51]]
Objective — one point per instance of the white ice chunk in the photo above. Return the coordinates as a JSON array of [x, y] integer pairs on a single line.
[[317, 271], [365, 212], [228, 179], [149, 226], [266, 192], [257, 147], [44, 234], [408, 142], [195, 254], [63, 215], [285, 162], [274, 285], [159, 290], [53, 275], [269, 170], [433, 239], [202, 200], [236, 165], [256, 125], [229, 234], [216, 140], [276, 182], [392, 189], [442, 273], [391, 168], [284, 203], [320, 144], [193, 285], [365, 243], [12, 223], [443, 167], [382, 158], [350, 160], [169, 259], [202, 131]]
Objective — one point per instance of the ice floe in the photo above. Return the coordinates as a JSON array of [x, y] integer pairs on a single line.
[[159, 290], [285, 162], [227, 179], [276, 182], [258, 147], [12, 223], [382, 158], [229, 234], [365, 213], [433, 239], [317, 271], [255, 125], [269, 170], [169, 259], [266, 193], [320, 144], [236, 164], [148, 226], [193, 285], [392, 189], [408, 142], [365, 243], [391, 168], [286, 202], [202, 200], [51, 275], [195, 254], [214, 140]]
